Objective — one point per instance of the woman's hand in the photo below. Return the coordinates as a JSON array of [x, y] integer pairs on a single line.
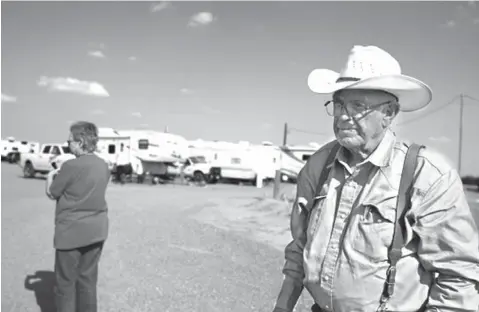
[[50, 177]]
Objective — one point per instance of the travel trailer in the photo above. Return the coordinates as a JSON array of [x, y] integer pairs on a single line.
[[293, 159], [240, 161], [11, 149], [155, 152]]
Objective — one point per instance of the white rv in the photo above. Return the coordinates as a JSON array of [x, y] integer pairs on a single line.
[[231, 161], [11, 148], [155, 152], [293, 159]]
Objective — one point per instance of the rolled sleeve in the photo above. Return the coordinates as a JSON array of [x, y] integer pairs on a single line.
[[448, 245], [61, 181]]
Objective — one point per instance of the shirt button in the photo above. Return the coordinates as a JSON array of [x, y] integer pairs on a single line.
[[326, 306], [326, 278]]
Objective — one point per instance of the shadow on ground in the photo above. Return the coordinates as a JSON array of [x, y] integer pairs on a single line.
[[42, 283]]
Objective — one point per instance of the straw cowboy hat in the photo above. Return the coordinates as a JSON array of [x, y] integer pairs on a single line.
[[369, 67]]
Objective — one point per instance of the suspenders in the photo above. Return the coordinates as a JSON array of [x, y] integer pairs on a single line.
[[403, 205]]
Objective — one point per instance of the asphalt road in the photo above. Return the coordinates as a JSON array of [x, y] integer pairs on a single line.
[[157, 257]]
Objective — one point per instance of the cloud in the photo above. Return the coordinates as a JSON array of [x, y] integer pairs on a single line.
[[464, 14], [97, 54], [440, 139], [132, 58], [136, 114], [8, 98], [157, 7], [97, 112], [186, 91], [62, 84], [201, 19], [210, 110], [450, 24]]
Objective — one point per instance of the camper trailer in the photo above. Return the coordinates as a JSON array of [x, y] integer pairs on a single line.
[[293, 159], [11, 149], [242, 161], [157, 153]]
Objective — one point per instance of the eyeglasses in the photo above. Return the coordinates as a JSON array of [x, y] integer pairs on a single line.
[[352, 108]]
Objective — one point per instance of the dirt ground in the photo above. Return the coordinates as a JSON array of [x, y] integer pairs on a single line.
[[171, 247]]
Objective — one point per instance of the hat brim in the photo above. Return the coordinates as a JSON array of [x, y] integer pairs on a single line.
[[412, 93]]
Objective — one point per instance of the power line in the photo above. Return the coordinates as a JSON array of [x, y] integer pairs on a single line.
[[471, 98], [306, 131], [430, 112]]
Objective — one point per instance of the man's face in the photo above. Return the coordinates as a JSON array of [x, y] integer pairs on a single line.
[[361, 116]]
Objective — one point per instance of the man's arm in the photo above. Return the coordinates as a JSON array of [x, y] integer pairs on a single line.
[[448, 245], [293, 268], [61, 181]]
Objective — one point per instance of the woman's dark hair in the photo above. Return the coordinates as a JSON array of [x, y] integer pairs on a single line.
[[87, 133]]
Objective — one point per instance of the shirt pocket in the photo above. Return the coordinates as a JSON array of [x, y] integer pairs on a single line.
[[315, 216], [375, 229]]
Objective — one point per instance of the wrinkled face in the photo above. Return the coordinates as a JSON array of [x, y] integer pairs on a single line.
[[360, 116], [75, 146]]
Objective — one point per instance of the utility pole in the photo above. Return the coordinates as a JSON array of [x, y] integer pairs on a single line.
[[461, 111], [277, 178]]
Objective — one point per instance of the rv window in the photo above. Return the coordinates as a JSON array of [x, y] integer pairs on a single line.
[[143, 144], [46, 149], [24, 142], [236, 161], [111, 149], [306, 157]]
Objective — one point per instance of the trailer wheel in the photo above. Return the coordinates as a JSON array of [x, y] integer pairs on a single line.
[[28, 170]]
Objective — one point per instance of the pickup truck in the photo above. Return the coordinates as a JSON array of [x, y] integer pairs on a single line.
[[51, 156]]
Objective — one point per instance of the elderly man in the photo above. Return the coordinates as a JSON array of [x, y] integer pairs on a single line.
[[342, 230]]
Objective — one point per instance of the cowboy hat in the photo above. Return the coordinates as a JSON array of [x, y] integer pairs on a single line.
[[371, 68]]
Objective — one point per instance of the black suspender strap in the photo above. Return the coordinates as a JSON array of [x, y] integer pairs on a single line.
[[326, 169], [403, 205]]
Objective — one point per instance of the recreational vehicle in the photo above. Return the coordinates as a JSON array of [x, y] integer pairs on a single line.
[[157, 153]]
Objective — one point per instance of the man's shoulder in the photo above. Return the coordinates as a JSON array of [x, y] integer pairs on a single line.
[[432, 165], [316, 162], [429, 158]]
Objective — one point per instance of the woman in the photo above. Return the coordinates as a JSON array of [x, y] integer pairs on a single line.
[[81, 220]]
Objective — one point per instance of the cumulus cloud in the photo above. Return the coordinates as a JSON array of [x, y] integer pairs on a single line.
[[157, 7], [97, 54], [440, 139], [201, 19], [62, 84], [97, 112], [186, 91], [464, 14], [136, 114], [132, 58], [8, 98]]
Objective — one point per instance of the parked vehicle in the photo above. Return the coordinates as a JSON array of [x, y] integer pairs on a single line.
[[51, 156]]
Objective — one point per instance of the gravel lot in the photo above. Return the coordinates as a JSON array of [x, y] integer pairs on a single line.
[[164, 253], [171, 248]]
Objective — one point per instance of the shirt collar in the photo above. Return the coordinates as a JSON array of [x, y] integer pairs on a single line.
[[381, 156]]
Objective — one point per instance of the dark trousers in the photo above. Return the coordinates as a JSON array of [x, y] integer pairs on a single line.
[[76, 273]]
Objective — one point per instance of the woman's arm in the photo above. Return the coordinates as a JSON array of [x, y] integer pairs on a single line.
[[64, 176]]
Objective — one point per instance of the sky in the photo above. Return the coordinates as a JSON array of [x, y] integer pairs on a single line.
[[229, 70]]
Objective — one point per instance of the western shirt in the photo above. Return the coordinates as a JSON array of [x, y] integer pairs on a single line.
[[344, 261]]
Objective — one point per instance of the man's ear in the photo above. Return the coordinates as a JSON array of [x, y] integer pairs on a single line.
[[390, 112]]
